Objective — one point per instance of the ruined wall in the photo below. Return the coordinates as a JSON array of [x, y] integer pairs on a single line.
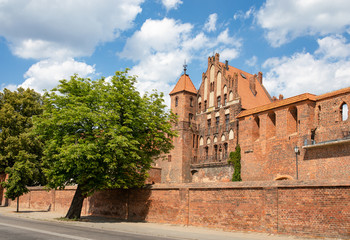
[[267, 148], [313, 124], [315, 208]]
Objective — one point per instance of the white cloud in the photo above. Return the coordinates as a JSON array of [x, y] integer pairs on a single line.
[[63, 28], [155, 36], [333, 47], [244, 15], [289, 19], [47, 73], [229, 53], [252, 61], [210, 25], [171, 4], [160, 47], [315, 73], [225, 38]]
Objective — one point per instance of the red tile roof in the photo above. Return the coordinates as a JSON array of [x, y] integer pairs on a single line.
[[334, 93], [248, 99], [184, 84], [279, 103]]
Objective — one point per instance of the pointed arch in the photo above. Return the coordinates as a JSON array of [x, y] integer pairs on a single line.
[[201, 141], [231, 134]]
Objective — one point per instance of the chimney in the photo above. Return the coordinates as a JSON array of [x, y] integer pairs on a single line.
[[260, 75], [226, 64], [252, 84]]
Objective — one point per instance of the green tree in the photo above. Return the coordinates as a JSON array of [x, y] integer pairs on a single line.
[[20, 150], [235, 159], [101, 135]]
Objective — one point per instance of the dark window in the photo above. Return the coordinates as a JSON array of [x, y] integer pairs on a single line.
[[199, 106], [227, 121], [219, 101], [225, 99], [217, 121], [205, 105], [216, 152], [209, 125], [176, 101], [191, 102]]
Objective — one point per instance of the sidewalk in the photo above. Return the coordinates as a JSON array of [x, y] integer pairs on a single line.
[[150, 229]]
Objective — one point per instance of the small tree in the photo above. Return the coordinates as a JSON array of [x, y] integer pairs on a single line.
[[101, 134], [20, 150], [235, 159]]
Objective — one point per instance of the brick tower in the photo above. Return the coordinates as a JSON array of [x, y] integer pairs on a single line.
[[176, 168]]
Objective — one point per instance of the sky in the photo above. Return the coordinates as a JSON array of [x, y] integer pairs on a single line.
[[299, 45]]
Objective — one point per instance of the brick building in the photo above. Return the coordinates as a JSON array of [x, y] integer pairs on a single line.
[[304, 137]]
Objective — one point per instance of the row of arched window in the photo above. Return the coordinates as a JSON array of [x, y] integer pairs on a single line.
[[215, 139], [292, 123]]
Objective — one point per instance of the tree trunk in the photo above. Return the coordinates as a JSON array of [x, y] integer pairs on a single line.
[[74, 211]]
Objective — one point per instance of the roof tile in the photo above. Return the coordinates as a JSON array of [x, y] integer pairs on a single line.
[[184, 84]]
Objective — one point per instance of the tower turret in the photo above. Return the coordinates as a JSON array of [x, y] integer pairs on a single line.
[[183, 104]]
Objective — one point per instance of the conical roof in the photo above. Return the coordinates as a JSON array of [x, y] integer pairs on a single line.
[[184, 84]]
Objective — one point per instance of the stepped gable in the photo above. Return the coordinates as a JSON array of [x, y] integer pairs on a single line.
[[184, 84], [249, 98]]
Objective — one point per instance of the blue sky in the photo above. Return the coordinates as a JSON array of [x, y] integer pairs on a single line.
[[299, 45]]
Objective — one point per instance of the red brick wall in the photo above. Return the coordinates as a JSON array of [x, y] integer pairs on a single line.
[[315, 208], [271, 155]]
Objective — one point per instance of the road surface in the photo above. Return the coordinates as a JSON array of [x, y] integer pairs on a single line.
[[17, 228]]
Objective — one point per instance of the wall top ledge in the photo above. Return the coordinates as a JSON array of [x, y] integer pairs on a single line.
[[253, 184]]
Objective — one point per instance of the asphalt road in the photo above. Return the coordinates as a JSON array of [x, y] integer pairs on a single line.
[[18, 229]]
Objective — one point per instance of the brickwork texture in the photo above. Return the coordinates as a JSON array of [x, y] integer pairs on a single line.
[[314, 208]]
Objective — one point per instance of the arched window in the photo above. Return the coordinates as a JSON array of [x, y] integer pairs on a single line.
[[292, 120], [176, 101], [225, 151], [231, 134], [191, 101], [219, 101], [344, 112], [201, 141], [271, 125], [230, 98], [256, 128]]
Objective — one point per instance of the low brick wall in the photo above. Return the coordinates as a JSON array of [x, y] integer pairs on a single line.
[[316, 208]]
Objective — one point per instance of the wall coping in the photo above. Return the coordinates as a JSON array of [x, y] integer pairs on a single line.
[[233, 185], [253, 184]]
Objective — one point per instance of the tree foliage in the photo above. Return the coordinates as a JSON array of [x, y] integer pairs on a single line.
[[235, 159], [20, 150], [101, 134]]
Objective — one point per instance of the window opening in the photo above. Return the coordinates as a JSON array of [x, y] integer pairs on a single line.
[[217, 121], [209, 125], [344, 112], [227, 121], [219, 101]]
